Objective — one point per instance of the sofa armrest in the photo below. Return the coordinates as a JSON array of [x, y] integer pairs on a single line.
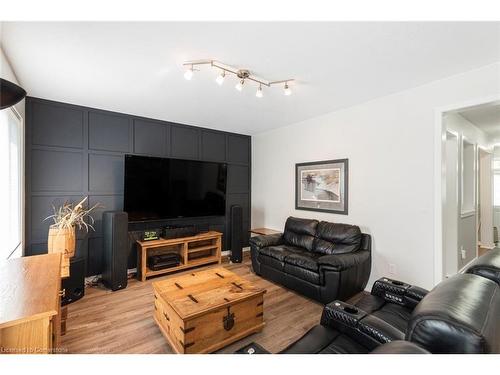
[[366, 329], [338, 313], [398, 292], [266, 240], [340, 262]]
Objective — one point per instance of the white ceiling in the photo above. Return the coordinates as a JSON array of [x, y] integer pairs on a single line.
[[137, 67], [485, 117]]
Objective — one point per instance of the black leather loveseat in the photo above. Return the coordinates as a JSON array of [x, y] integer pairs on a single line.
[[324, 261]]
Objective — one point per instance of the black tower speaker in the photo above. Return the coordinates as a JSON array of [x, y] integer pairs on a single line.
[[115, 248], [74, 285], [236, 234]]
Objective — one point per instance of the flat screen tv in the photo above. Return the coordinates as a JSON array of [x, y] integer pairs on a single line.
[[161, 188]]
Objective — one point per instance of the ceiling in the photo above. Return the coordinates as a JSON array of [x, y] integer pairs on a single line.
[[486, 117], [136, 67]]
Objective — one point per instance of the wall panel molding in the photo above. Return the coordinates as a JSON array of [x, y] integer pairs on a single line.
[[77, 151]]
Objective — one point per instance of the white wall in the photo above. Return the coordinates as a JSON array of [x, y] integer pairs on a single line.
[[390, 145]]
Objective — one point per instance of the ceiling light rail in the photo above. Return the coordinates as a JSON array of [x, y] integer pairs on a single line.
[[242, 74]]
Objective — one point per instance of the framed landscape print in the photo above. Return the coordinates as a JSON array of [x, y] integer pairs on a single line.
[[322, 186]]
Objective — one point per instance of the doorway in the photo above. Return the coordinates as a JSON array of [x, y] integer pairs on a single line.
[[469, 214]]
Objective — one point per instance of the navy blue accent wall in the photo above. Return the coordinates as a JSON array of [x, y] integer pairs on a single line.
[[74, 151]]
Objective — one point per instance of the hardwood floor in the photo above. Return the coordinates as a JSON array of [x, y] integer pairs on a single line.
[[122, 322]]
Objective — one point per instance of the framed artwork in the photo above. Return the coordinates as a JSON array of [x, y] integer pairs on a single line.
[[322, 186]]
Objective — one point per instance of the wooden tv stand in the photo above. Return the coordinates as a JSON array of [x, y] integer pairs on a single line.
[[204, 248]]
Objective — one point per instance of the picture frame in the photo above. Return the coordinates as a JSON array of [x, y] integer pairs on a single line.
[[322, 186]]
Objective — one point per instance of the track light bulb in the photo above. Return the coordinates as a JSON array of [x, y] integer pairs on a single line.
[[220, 78], [259, 93], [188, 74], [239, 86], [287, 90]]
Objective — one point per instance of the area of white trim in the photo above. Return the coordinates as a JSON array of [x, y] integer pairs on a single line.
[[439, 138]]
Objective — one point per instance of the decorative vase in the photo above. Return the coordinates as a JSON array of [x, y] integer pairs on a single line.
[[62, 240]]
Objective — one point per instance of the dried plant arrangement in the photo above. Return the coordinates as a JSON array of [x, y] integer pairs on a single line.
[[68, 216], [62, 234]]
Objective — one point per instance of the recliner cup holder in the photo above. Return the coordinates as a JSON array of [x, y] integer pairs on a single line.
[[395, 282], [350, 310]]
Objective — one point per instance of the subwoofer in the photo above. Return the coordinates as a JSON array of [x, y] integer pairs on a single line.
[[236, 228], [115, 248], [74, 285]]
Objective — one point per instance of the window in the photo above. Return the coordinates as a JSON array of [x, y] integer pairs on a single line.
[[11, 169]]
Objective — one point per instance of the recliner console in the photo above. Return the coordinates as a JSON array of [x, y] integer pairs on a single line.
[[367, 329], [398, 292]]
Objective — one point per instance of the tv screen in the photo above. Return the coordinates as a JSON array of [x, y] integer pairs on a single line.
[[161, 188]]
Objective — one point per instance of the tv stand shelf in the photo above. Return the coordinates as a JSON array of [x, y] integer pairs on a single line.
[[204, 248]]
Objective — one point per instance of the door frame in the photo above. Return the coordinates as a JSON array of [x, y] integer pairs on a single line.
[[440, 175], [491, 155]]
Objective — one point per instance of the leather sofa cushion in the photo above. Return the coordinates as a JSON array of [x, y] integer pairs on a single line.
[[333, 238], [343, 344], [280, 252], [325, 340], [271, 262], [393, 314], [300, 232], [399, 347], [314, 341], [340, 262], [302, 273], [304, 259], [460, 315]]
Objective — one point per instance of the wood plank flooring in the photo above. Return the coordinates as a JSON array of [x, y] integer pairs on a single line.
[[122, 322]]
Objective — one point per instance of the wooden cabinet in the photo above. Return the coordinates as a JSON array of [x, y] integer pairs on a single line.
[[30, 303], [194, 251]]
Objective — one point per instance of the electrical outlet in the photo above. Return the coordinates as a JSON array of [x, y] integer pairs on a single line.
[[463, 252], [392, 269]]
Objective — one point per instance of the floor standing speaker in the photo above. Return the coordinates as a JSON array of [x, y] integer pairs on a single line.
[[115, 248], [74, 285], [236, 228]]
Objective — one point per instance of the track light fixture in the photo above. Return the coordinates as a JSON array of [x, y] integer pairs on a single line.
[[287, 91], [242, 74], [220, 78], [188, 74], [239, 85], [259, 94]]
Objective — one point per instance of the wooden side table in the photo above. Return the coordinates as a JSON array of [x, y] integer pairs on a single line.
[[264, 231]]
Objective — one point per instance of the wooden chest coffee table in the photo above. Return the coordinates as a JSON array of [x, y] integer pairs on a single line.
[[203, 311]]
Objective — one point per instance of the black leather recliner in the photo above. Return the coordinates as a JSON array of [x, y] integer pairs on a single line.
[[393, 301], [460, 315], [321, 260]]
